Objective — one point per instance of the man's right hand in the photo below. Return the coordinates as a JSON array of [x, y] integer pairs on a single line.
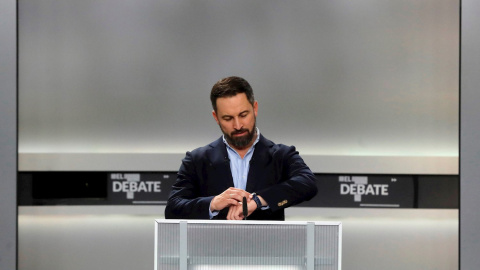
[[231, 196]]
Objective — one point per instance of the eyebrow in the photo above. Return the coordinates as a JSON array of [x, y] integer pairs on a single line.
[[229, 116]]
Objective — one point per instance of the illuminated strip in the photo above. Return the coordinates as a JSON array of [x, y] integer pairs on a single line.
[[145, 202], [380, 205]]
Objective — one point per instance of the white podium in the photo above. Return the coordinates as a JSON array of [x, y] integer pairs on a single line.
[[228, 245]]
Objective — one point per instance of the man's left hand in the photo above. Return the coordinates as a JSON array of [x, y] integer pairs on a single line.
[[235, 212]]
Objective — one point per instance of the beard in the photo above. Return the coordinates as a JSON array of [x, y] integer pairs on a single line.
[[240, 141]]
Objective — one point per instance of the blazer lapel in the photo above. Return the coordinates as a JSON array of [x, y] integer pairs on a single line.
[[220, 164], [260, 159]]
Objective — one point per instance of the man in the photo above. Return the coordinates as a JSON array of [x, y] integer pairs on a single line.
[[214, 179]]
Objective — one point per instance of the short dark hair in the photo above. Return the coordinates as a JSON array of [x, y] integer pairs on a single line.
[[229, 87]]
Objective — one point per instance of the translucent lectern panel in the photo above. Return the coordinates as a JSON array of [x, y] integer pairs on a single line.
[[228, 245], [327, 249], [168, 246], [246, 244]]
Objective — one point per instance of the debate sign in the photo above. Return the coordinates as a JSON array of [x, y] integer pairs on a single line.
[[364, 191], [139, 188]]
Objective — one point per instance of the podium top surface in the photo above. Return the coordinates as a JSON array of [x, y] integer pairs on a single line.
[[246, 222]]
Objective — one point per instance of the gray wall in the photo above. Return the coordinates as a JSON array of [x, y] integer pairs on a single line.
[[470, 134], [8, 135], [368, 82]]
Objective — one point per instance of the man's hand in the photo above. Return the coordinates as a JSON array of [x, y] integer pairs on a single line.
[[230, 197], [235, 212]]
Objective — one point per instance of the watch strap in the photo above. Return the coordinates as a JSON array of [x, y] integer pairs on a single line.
[[257, 200]]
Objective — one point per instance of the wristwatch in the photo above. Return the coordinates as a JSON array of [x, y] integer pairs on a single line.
[[257, 200]]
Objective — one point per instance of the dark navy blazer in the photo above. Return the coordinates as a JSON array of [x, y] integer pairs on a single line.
[[277, 173]]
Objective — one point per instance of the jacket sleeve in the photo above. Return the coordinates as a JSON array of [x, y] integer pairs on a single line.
[[297, 184], [184, 201]]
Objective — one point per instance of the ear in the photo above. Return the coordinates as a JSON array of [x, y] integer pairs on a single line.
[[255, 108], [215, 116]]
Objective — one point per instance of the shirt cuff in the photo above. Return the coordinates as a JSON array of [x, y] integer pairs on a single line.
[[210, 213]]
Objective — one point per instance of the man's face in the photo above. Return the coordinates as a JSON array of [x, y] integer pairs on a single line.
[[237, 120]]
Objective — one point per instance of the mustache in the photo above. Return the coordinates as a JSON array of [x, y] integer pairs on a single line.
[[240, 131]]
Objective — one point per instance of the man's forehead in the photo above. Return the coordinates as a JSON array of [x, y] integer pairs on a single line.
[[234, 104]]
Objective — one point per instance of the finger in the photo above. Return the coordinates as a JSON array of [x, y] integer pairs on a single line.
[[239, 215], [233, 202], [224, 202], [246, 195], [231, 213], [238, 191], [236, 197]]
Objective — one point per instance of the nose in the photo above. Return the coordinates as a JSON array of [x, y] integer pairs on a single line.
[[236, 124]]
